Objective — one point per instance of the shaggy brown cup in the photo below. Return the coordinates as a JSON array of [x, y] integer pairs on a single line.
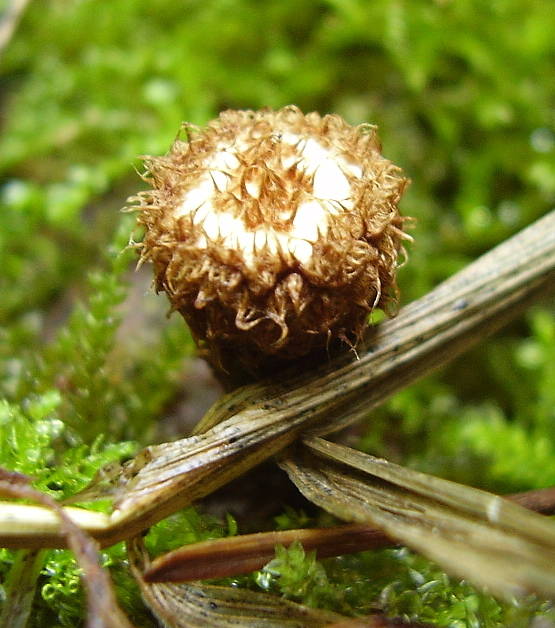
[[273, 233]]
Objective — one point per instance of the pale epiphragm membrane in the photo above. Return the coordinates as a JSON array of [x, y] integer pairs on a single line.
[[273, 233]]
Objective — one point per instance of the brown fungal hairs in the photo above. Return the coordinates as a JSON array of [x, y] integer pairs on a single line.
[[273, 233]]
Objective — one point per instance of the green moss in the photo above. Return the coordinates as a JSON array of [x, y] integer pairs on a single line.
[[463, 105], [396, 582], [30, 437], [298, 576], [184, 527]]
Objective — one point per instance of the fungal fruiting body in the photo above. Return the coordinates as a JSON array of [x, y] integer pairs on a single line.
[[273, 233]]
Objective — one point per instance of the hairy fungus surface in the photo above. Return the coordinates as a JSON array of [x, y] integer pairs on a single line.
[[273, 233]]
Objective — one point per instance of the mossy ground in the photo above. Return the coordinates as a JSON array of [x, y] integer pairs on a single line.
[[463, 93]]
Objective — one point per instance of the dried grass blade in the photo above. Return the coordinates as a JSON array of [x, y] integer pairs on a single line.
[[478, 503], [196, 605], [245, 553], [470, 533]]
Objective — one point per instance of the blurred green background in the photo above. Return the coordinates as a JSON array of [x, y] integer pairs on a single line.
[[463, 93]]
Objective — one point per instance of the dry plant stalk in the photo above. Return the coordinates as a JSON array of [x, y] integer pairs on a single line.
[[230, 556], [266, 418], [471, 533]]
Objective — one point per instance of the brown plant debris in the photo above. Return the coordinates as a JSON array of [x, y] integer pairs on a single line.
[[192, 605], [199, 605], [230, 556], [219, 558]]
